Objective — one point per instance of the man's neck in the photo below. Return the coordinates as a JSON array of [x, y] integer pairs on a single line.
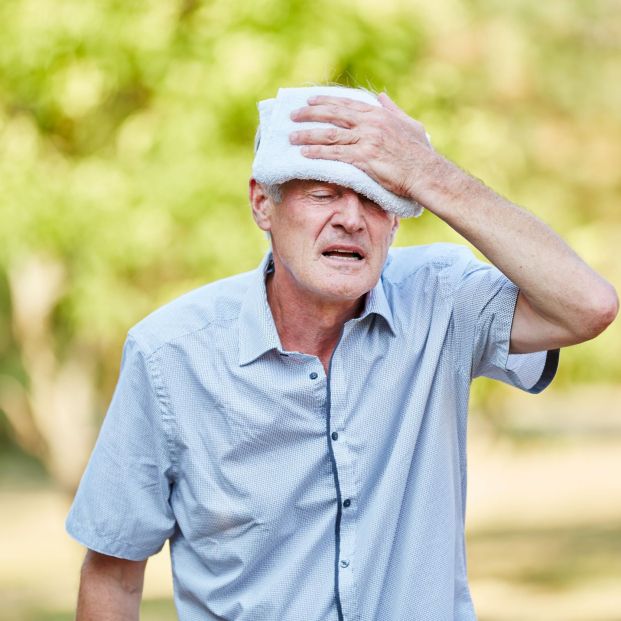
[[307, 324]]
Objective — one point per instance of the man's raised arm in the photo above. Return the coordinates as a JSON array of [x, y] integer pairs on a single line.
[[562, 300], [110, 588]]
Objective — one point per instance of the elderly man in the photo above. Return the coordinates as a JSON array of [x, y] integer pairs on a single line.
[[298, 433]]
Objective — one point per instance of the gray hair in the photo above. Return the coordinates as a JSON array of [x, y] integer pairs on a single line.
[[274, 191]]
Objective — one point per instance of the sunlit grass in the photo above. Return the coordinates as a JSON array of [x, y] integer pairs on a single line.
[[151, 610], [554, 559]]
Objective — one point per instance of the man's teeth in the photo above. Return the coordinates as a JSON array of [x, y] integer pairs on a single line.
[[343, 253]]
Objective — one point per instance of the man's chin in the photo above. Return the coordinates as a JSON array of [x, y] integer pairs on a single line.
[[346, 288]]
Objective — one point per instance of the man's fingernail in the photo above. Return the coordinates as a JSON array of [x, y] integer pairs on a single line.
[[293, 138], [312, 100]]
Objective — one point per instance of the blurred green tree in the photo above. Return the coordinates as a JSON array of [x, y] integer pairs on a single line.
[[125, 142]]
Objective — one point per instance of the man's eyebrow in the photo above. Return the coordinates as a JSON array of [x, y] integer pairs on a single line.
[[313, 185]]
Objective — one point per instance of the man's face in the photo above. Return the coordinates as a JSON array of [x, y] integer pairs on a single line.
[[328, 242]]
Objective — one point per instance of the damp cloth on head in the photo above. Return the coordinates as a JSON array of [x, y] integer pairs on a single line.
[[277, 160]]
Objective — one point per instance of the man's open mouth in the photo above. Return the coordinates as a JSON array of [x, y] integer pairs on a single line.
[[341, 253]]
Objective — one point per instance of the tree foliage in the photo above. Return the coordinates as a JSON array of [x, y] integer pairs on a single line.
[[125, 141]]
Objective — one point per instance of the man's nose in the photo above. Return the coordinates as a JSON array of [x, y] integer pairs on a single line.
[[348, 213]]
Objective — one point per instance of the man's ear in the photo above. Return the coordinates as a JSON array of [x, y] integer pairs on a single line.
[[395, 228], [261, 205]]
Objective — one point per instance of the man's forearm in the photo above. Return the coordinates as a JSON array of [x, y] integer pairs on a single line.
[[110, 589], [556, 282]]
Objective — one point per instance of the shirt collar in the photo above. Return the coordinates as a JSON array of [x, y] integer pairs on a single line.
[[257, 331], [377, 303]]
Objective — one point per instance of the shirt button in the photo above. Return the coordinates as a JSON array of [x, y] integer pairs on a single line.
[[335, 435], [313, 375], [347, 502], [344, 563]]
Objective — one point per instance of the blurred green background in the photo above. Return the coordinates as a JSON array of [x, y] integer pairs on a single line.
[[126, 135]]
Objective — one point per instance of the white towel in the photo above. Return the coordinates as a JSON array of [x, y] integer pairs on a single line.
[[277, 160]]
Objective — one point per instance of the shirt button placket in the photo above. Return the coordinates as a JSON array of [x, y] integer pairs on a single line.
[[346, 475]]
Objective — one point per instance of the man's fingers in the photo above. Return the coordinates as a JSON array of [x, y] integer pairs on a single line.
[[344, 102], [340, 116], [388, 103], [333, 135], [325, 152]]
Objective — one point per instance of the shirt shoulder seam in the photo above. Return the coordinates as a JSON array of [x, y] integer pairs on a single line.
[[148, 352]]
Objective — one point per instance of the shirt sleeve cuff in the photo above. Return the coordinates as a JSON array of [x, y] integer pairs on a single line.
[[106, 545], [530, 372]]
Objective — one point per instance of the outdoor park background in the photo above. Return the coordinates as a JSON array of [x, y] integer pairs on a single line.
[[125, 147]]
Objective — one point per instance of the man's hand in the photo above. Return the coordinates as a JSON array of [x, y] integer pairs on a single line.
[[384, 141], [110, 588], [562, 300]]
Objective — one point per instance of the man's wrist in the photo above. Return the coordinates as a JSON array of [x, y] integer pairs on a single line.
[[440, 185]]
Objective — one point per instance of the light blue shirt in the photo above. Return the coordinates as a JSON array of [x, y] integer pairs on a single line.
[[290, 494]]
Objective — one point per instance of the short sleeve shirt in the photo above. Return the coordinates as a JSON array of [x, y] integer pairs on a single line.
[[290, 493]]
